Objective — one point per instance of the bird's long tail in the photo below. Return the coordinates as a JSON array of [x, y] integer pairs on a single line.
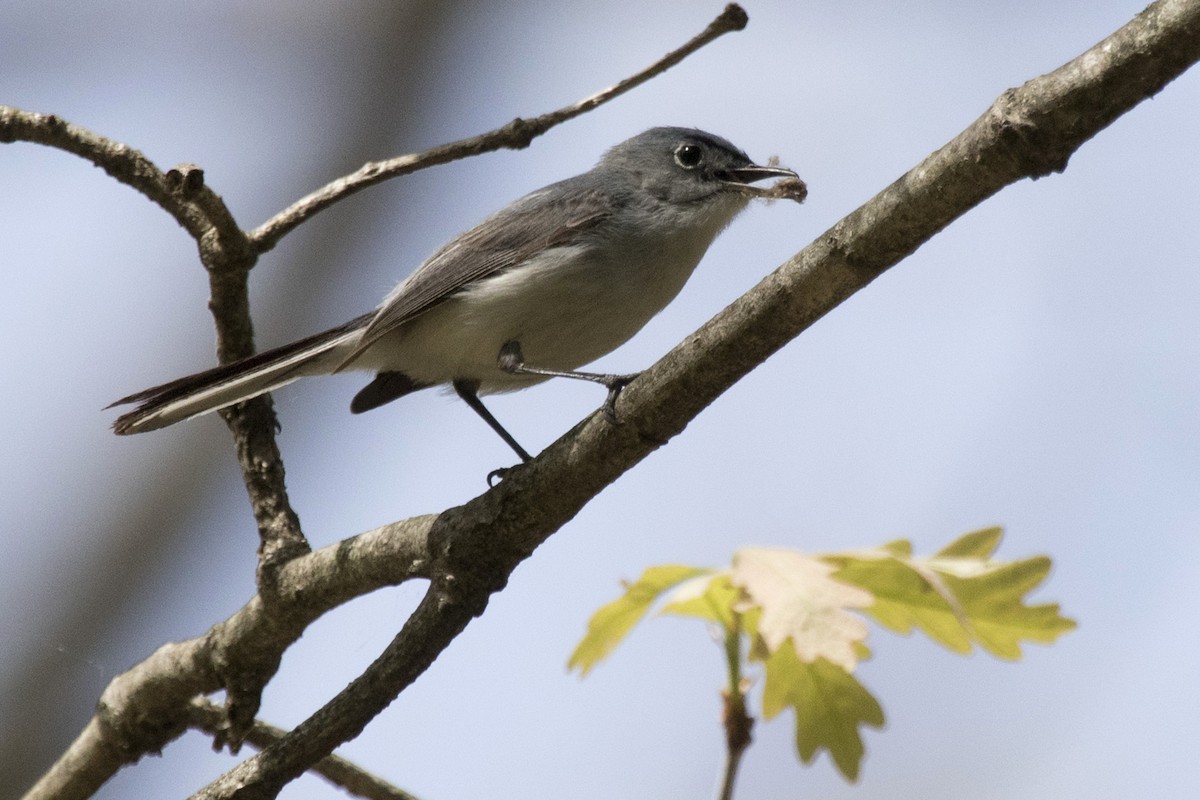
[[232, 383]]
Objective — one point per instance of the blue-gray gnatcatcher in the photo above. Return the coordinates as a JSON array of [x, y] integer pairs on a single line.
[[550, 283]]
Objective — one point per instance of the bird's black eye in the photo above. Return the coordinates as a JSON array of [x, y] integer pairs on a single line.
[[689, 156]]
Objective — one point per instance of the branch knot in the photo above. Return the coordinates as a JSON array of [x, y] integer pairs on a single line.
[[520, 133], [185, 180]]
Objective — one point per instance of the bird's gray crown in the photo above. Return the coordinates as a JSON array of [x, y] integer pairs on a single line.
[[683, 164]]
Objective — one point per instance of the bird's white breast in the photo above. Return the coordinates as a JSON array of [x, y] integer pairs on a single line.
[[567, 306]]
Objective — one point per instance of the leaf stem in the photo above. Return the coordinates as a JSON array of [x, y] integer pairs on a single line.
[[736, 721]]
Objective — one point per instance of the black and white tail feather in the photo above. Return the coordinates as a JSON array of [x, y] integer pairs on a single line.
[[219, 387]]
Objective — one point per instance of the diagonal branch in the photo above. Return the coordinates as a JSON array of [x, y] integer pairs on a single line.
[[1028, 132], [515, 135]]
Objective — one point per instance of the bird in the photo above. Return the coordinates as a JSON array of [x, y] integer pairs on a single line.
[[550, 283]]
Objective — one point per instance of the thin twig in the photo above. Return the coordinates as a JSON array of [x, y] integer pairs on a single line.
[[121, 161], [514, 136], [207, 716]]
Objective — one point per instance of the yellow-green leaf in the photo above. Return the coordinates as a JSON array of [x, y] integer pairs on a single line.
[[958, 597], [710, 596], [905, 597], [609, 625], [829, 704], [977, 544], [1000, 620]]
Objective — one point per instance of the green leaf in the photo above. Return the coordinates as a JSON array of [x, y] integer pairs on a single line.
[[977, 544], [993, 602], [904, 596], [959, 597], [830, 707], [611, 622], [800, 603], [709, 596]]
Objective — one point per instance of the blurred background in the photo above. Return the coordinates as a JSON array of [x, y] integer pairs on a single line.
[[1034, 366]]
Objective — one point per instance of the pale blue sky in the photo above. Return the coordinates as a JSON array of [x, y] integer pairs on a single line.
[[1034, 366]]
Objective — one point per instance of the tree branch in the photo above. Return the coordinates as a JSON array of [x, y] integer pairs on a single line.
[[516, 135], [146, 707], [228, 256], [120, 161], [210, 718]]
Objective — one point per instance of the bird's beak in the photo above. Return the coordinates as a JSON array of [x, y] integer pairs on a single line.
[[790, 187], [753, 172]]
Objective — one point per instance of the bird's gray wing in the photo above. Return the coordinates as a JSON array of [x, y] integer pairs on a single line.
[[537, 222]]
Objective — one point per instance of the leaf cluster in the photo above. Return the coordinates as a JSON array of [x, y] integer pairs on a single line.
[[804, 620]]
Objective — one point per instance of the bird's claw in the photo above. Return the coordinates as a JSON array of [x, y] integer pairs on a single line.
[[615, 384]]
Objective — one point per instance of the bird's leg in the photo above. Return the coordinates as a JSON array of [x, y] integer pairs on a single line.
[[512, 361], [469, 392]]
